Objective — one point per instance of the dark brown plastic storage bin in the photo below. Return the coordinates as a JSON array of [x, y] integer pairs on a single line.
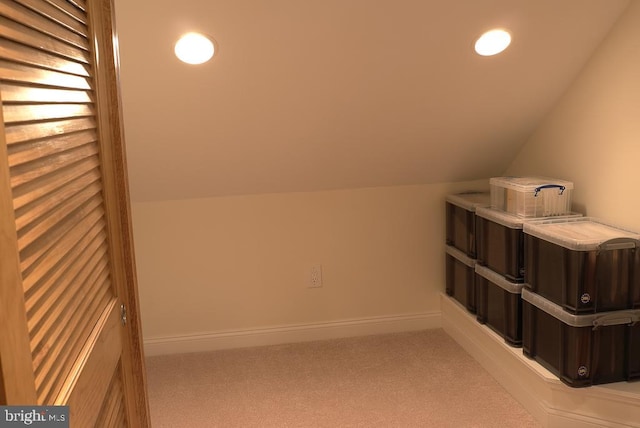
[[499, 305], [582, 350], [583, 264], [461, 220], [461, 278], [500, 243]]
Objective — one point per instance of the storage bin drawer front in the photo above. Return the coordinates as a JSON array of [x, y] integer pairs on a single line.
[[460, 282], [541, 335], [635, 280], [614, 280], [581, 356], [583, 281], [610, 349], [461, 229], [633, 362], [501, 249], [500, 310], [592, 357]]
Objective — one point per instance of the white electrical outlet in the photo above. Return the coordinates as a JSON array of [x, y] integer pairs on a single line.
[[315, 277]]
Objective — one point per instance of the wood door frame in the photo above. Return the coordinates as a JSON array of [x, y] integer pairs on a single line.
[[117, 204]]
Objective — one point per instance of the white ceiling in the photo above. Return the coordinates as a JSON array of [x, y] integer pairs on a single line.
[[313, 95]]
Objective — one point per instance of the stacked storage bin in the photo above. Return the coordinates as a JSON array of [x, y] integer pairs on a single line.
[[500, 268], [581, 308], [461, 245]]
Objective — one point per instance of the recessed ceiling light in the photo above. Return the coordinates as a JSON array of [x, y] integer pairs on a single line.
[[493, 42], [194, 48]]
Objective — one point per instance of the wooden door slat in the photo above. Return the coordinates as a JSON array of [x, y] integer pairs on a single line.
[[50, 290], [23, 94], [70, 9], [48, 342], [67, 244], [63, 366], [32, 151], [32, 253], [34, 170], [31, 191], [64, 304], [29, 235], [23, 113], [66, 284], [35, 210], [16, 52], [39, 76], [58, 298], [68, 347], [60, 269], [12, 30], [75, 342], [80, 4], [55, 14], [27, 17], [19, 133]]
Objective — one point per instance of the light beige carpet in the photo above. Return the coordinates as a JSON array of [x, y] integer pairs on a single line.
[[417, 379]]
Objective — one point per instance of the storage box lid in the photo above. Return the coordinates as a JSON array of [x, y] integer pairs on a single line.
[[460, 256], [529, 184], [470, 200], [582, 234], [596, 320], [513, 221], [501, 217], [499, 280]]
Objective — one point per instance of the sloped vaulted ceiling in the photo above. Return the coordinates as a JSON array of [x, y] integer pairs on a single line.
[[313, 95]]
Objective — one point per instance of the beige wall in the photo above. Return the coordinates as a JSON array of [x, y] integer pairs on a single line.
[[592, 137], [227, 263]]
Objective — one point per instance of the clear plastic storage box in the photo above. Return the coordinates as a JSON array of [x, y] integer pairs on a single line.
[[500, 241], [499, 305], [461, 219], [531, 196], [582, 350], [583, 264], [460, 278]]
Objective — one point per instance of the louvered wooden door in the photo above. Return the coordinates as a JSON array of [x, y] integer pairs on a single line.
[[66, 257]]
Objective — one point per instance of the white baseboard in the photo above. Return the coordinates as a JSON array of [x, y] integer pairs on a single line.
[[290, 333], [551, 402]]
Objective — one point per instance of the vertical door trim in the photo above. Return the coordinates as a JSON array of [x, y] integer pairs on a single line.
[[117, 205], [16, 363]]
